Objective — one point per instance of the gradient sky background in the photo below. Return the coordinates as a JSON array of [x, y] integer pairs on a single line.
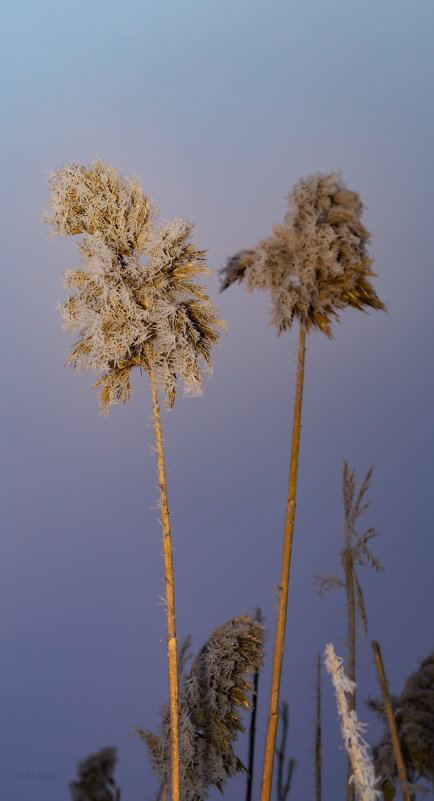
[[219, 106]]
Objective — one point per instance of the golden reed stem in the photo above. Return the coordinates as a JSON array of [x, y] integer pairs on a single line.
[[391, 721], [172, 651], [273, 713]]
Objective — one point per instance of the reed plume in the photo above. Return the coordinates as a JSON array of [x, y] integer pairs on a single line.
[[313, 266], [135, 302], [95, 778], [363, 775], [210, 696]]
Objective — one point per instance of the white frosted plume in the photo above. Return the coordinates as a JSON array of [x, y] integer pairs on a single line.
[[135, 302]]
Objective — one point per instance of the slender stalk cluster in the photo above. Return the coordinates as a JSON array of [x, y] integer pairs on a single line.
[[352, 730], [210, 696], [135, 300]]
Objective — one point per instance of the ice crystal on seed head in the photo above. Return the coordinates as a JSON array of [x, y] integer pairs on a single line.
[[135, 301], [315, 263]]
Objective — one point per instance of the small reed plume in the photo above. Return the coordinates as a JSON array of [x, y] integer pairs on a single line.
[[314, 265], [355, 551], [363, 775], [134, 302], [95, 778], [210, 696]]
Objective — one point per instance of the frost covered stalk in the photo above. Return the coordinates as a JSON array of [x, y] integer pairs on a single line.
[[356, 551], [314, 265], [134, 303], [352, 730]]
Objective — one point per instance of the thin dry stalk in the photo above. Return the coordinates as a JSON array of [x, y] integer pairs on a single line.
[[391, 722], [252, 729], [172, 650], [318, 732], [284, 784], [351, 612], [279, 642]]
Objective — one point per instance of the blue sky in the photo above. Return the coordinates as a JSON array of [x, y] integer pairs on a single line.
[[219, 107]]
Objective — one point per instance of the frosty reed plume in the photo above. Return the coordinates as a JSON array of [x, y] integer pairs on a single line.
[[95, 780], [313, 266], [135, 302], [218, 684], [315, 263]]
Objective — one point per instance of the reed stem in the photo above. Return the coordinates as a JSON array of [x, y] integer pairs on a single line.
[[391, 722], [351, 615], [273, 713], [318, 732], [172, 651], [252, 730]]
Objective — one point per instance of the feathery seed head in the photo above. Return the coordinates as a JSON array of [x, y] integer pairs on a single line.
[[315, 263], [135, 301], [95, 778], [209, 720]]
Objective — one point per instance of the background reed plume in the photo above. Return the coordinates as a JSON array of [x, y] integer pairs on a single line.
[[135, 302], [218, 685], [313, 266], [95, 778]]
